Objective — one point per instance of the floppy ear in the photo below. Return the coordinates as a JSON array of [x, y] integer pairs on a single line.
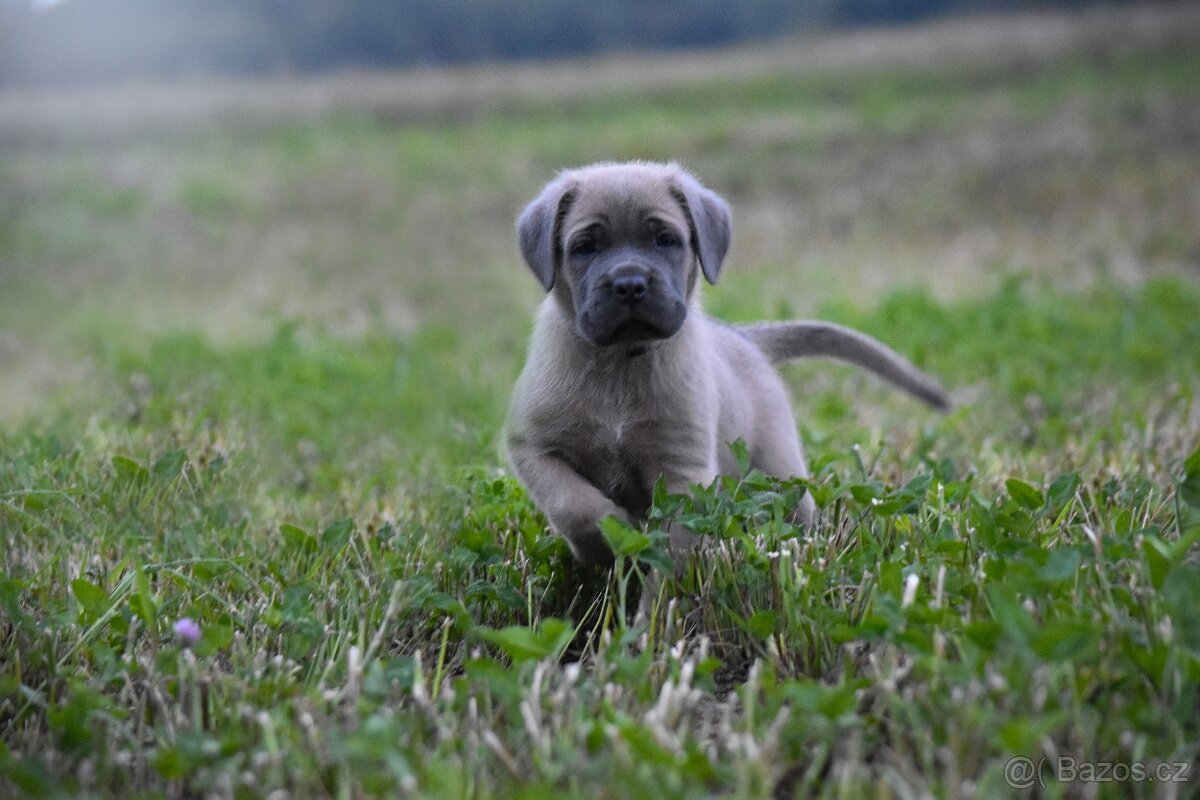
[[711, 223], [539, 229]]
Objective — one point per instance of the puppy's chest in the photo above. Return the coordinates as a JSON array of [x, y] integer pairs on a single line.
[[615, 414], [620, 429], [618, 456], [612, 438]]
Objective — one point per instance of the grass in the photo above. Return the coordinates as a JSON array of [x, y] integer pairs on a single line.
[[363, 633], [272, 406]]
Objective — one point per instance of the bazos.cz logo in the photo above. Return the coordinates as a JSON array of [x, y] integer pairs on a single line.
[[1025, 773]]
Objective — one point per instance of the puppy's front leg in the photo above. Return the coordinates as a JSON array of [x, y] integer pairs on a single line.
[[681, 481], [572, 504]]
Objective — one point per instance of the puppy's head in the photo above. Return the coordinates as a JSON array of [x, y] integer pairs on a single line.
[[622, 245]]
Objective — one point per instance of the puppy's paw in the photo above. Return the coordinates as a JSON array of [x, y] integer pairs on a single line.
[[589, 547]]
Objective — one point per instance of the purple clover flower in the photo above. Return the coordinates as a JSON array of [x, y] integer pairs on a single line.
[[188, 631]]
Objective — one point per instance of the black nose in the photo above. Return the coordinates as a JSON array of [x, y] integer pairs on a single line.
[[630, 287]]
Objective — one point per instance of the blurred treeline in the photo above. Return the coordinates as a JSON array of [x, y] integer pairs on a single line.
[[79, 41]]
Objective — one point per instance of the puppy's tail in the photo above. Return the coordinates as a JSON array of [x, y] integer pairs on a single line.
[[781, 341]]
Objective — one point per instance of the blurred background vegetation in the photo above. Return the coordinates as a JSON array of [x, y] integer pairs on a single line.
[[224, 218], [1059, 144], [100, 40]]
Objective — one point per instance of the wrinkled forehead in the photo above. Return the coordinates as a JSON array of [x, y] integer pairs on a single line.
[[623, 201]]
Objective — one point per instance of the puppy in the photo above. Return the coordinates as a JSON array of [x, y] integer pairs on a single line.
[[626, 379]]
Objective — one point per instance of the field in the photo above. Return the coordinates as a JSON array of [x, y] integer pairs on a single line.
[[256, 343]]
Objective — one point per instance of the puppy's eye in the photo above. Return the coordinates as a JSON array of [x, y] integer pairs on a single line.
[[584, 247], [666, 239]]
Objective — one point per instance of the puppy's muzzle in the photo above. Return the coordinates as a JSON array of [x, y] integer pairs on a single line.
[[629, 284], [631, 303]]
